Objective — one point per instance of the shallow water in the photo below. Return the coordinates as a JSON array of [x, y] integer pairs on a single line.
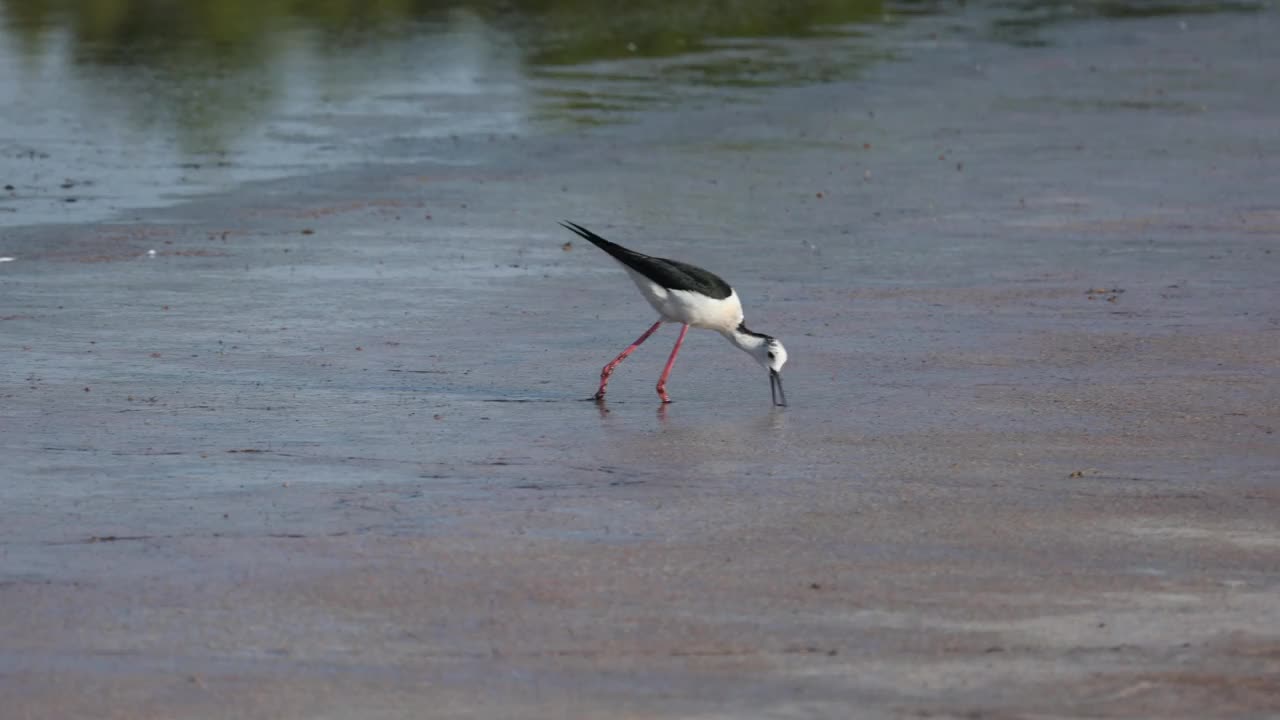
[[146, 104], [326, 451], [119, 105]]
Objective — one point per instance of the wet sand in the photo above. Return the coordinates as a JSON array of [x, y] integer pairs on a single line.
[[327, 455]]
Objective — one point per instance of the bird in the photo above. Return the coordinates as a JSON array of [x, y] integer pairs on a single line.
[[694, 297]]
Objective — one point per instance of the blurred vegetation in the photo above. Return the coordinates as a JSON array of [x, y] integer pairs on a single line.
[[128, 31], [209, 66], [549, 31], [1025, 20], [581, 31], [553, 31]]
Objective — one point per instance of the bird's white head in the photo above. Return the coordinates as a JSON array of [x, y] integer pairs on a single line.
[[769, 352]]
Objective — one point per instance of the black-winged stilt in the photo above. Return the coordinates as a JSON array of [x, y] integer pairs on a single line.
[[691, 296]]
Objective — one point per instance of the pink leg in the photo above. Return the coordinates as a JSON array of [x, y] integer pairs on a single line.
[[662, 381], [608, 369]]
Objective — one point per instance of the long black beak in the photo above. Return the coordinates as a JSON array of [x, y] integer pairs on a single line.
[[775, 389]]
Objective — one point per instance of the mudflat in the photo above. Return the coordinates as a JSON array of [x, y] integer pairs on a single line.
[[327, 452]]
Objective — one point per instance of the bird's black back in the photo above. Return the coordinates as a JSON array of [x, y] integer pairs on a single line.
[[670, 274]]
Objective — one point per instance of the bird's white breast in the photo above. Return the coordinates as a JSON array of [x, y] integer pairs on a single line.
[[684, 306]]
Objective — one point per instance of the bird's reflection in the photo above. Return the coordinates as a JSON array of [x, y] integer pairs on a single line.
[[771, 420]]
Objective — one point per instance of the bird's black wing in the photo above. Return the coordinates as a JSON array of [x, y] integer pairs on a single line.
[[670, 274]]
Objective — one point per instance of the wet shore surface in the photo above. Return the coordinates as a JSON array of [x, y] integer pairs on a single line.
[[327, 452]]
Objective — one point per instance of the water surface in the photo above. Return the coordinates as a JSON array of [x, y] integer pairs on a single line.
[[122, 104]]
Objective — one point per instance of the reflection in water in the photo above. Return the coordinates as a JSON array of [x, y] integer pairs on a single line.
[[703, 423], [109, 114], [602, 31], [124, 103], [210, 69], [1025, 19], [118, 103]]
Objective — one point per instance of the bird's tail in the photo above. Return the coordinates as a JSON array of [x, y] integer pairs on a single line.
[[622, 254]]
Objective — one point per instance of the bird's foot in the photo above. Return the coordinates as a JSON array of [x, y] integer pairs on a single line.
[[662, 393], [599, 396]]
